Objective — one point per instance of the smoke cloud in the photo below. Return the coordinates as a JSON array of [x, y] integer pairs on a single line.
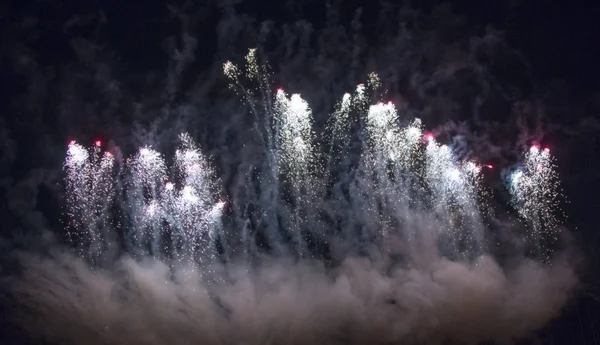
[[293, 303]]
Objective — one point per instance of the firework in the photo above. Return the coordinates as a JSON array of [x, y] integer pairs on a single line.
[[163, 220], [89, 194], [372, 215], [402, 176], [534, 188]]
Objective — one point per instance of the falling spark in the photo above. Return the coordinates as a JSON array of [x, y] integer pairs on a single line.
[[535, 194]]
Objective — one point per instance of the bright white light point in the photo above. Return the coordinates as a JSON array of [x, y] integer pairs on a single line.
[[346, 97], [188, 194], [229, 69], [190, 155], [279, 91], [169, 186], [296, 100], [381, 115], [151, 209], [546, 149], [108, 155], [77, 154], [195, 167], [413, 130], [454, 174], [220, 204], [535, 148], [429, 137]]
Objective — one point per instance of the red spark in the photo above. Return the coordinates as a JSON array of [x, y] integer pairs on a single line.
[[98, 143]]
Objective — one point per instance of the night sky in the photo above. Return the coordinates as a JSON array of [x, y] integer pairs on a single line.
[[121, 71]]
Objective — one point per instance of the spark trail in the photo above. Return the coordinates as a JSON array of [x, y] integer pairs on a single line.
[[535, 192], [90, 189]]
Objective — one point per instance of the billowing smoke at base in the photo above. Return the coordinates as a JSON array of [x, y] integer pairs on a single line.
[[368, 232], [281, 302]]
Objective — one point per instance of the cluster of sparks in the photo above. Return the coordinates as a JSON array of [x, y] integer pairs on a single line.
[[165, 217], [401, 171], [89, 191], [535, 194]]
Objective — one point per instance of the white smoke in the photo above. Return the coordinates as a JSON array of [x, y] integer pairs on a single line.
[[281, 302]]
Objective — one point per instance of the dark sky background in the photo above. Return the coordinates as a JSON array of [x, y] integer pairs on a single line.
[[559, 42]]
